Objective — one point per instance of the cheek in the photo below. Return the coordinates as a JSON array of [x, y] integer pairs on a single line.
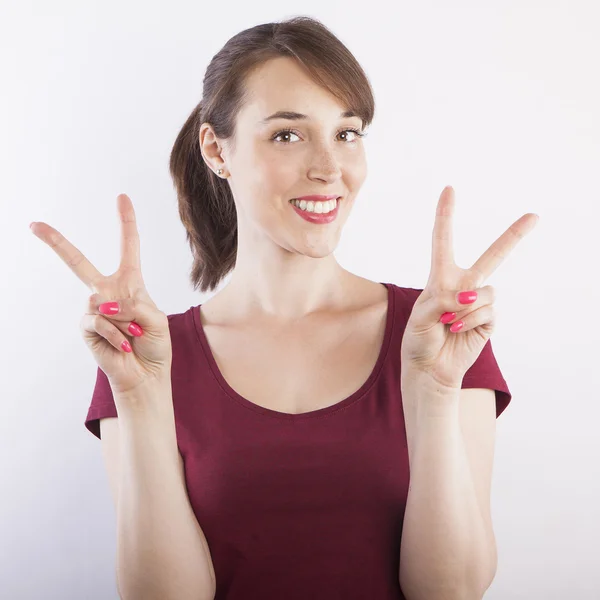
[[353, 182], [357, 171], [272, 178]]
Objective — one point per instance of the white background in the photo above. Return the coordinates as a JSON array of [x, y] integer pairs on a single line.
[[500, 101]]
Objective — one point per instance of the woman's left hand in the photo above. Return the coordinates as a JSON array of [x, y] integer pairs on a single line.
[[431, 346]]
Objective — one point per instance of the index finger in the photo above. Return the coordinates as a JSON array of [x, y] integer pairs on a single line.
[[74, 259], [130, 240]]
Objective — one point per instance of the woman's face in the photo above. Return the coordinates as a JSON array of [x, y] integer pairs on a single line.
[[269, 168]]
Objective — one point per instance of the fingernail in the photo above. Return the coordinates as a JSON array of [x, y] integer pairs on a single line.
[[467, 297], [126, 346], [447, 317], [135, 329], [109, 308], [456, 326]]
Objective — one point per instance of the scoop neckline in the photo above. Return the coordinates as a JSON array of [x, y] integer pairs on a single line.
[[320, 412]]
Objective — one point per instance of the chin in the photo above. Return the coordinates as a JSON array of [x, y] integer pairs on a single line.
[[316, 250]]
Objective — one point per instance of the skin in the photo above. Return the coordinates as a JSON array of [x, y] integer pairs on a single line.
[[435, 351], [285, 266]]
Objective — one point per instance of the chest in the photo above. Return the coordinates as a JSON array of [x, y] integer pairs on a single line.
[[301, 368]]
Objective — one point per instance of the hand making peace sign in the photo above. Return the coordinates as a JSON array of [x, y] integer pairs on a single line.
[[122, 326], [431, 346]]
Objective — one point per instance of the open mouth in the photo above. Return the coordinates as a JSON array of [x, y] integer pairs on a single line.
[[317, 207]]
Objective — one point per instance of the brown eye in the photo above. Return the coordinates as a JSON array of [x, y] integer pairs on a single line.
[[284, 132], [358, 133]]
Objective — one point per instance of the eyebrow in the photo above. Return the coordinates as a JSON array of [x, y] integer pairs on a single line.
[[294, 116]]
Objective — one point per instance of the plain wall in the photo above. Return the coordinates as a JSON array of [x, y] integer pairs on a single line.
[[501, 101]]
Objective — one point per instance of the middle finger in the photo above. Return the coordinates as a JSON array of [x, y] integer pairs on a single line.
[[70, 255]]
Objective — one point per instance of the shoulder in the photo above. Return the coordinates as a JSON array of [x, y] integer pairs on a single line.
[[176, 319], [181, 324], [406, 296], [411, 294]]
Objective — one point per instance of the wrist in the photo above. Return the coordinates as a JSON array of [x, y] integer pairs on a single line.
[[412, 378], [428, 396], [150, 397]]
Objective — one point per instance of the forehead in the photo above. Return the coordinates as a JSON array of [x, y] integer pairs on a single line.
[[281, 84]]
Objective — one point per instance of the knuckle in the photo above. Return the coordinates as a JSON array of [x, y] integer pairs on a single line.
[[99, 323], [92, 303], [436, 295], [75, 259], [106, 329], [131, 305]]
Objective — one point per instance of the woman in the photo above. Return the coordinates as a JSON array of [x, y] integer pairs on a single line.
[[269, 455]]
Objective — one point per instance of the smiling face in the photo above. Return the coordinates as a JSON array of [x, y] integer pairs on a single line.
[[270, 167]]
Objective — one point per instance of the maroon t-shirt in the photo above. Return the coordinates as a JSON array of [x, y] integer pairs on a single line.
[[297, 506]]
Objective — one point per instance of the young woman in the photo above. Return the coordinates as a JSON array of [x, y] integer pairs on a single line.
[[306, 432]]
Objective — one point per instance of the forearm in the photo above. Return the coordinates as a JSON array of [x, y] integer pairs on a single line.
[[445, 550], [161, 550]]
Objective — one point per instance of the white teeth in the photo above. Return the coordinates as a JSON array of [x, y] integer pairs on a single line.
[[318, 207]]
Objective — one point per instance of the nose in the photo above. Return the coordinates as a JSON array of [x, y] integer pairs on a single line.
[[325, 165]]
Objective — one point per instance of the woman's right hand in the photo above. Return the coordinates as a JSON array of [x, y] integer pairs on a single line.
[[151, 356]]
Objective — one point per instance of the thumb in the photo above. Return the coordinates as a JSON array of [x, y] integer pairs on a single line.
[[125, 310]]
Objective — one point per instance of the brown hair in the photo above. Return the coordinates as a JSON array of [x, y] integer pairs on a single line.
[[206, 205]]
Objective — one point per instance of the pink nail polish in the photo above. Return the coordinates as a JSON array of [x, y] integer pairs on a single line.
[[467, 297], [135, 329], [109, 308], [126, 346], [456, 326], [447, 317]]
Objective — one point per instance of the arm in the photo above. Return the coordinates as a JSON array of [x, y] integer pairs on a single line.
[[161, 551], [446, 552]]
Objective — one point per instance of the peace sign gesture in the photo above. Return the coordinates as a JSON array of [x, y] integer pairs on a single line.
[[120, 311], [453, 318]]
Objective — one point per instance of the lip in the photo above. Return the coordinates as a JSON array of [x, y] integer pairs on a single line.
[[317, 197], [317, 218]]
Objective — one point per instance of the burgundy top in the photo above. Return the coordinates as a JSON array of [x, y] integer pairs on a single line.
[[297, 506]]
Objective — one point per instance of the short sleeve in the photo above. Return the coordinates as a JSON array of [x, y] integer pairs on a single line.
[[103, 404], [485, 373]]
